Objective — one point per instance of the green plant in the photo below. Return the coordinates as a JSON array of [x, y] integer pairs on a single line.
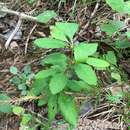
[[22, 80], [66, 73]]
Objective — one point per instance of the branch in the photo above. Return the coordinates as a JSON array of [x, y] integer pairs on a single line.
[[19, 14], [13, 33]]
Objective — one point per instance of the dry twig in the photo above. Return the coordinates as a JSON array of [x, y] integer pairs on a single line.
[[13, 33], [91, 17]]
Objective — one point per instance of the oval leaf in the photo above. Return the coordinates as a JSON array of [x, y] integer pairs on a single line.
[[86, 73], [111, 57], [76, 86], [99, 63], [56, 59], [112, 26], [45, 73], [13, 70], [83, 50], [5, 105], [18, 110], [38, 86], [46, 16], [68, 109], [49, 43], [117, 5], [52, 107], [58, 83]]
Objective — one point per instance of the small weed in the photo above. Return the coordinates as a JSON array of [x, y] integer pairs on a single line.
[[22, 80]]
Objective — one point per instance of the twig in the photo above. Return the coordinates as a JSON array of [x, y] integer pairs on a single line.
[[26, 44], [19, 14], [13, 33], [22, 99], [91, 17]]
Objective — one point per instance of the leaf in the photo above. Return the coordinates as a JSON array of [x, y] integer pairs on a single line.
[[13, 70], [52, 107], [117, 5], [122, 44], [111, 57], [77, 85], [49, 43], [38, 86], [128, 34], [5, 105], [116, 76], [57, 34], [26, 118], [63, 31], [46, 16], [22, 86], [86, 73], [99, 63], [83, 50], [56, 59], [42, 101], [126, 7], [115, 98], [15, 80], [68, 109], [45, 73], [112, 27], [17, 110], [27, 69], [58, 83]]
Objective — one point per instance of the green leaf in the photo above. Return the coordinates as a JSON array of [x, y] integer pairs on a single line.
[[52, 107], [15, 80], [5, 105], [122, 44], [77, 85], [68, 109], [86, 73], [111, 57], [117, 5], [58, 34], [58, 83], [38, 86], [56, 59], [112, 26], [42, 101], [128, 34], [63, 31], [13, 70], [83, 50], [49, 43], [46, 16], [45, 73], [26, 118], [17, 110], [115, 98], [116, 76], [99, 63], [22, 86], [27, 69], [126, 7]]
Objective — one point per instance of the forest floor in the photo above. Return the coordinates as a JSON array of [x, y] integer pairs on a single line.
[[21, 52]]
